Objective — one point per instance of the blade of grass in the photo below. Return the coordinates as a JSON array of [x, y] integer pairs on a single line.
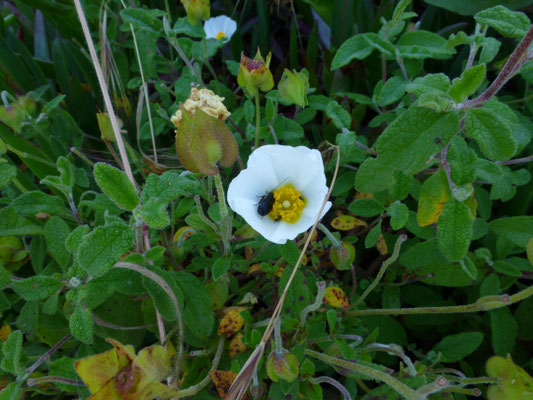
[[105, 93]]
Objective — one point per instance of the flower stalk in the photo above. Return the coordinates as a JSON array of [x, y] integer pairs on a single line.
[[394, 383], [257, 120], [225, 226]]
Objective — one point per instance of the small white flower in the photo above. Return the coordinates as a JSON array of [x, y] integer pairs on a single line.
[[296, 177], [220, 27]]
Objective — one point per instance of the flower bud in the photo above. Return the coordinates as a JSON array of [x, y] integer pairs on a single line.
[[254, 74], [196, 10], [202, 142], [342, 257], [293, 87], [282, 365]]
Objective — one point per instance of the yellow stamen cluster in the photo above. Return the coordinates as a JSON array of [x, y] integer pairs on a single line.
[[220, 35], [288, 204]]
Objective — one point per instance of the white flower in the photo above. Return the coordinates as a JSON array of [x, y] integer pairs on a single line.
[[296, 177], [220, 27]]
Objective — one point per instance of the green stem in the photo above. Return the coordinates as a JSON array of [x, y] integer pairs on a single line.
[[485, 303], [19, 185], [335, 243], [257, 119], [394, 383], [203, 216], [225, 226], [207, 63], [53, 379], [82, 156], [382, 270], [22, 154]]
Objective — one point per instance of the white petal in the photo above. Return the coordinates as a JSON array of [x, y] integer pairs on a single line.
[[230, 26], [209, 29]]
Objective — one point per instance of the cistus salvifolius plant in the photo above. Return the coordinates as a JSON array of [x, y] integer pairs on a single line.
[[266, 200]]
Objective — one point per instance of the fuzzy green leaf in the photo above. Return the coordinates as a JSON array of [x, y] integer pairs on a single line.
[[103, 247], [420, 44], [456, 347], [198, 315], [81, 324], [454, 230], [406, 145], [359, 47], [391, 92], [504, 329], [7, 173], [366, 207], [116, 185], [31, 203], [468, 82], [76, 238], [508, 23], [37, 287], [492, 134], [167, 187], [339, 116], [462, 160], [154, 213], [11, 353], [220, 267], [13, 391], [399, 213], [439, 83], [518, 230], [56, 232], [13, 224]]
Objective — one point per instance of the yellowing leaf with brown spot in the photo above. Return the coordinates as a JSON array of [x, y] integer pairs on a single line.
[[223, 381], [236, 345], [347, 222], [382, 245], [361, 195], [336, 297], [231, 322], [433, 194], [529, 250]]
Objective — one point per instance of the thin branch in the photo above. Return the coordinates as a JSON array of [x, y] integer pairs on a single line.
[[383, 269], [485, 303], [45, 356], [515, 61]]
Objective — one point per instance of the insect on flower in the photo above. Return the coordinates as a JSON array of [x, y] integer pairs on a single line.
[[297, 176]]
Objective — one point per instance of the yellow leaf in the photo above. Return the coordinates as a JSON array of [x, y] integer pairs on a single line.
[[382, 245], [347, 222], [151, 391], [231, 322], [96, 371], [336, 297], [433, 194], [108, 392], [154, 362], [236, 345], [5, 330]]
